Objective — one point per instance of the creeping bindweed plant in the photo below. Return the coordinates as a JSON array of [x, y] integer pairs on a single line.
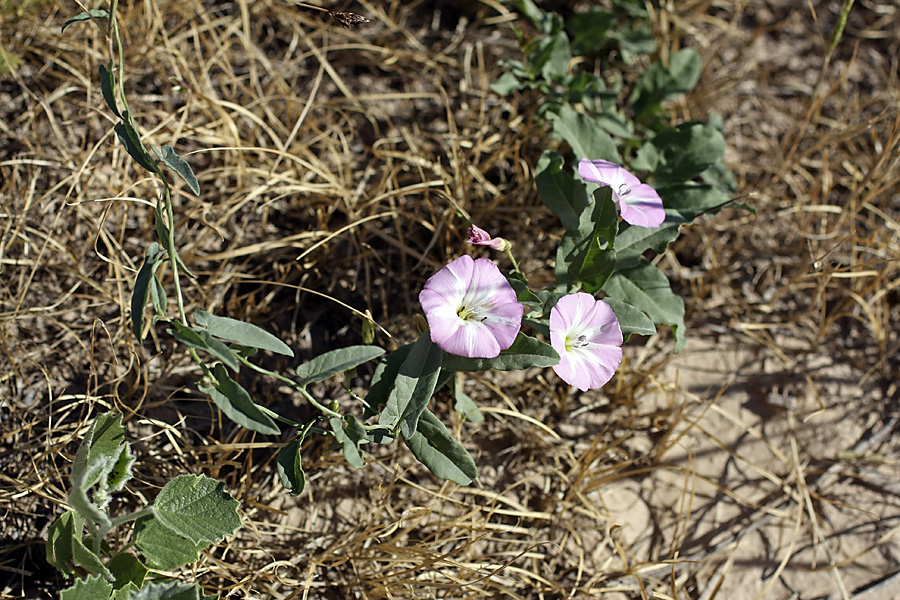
[[190, 513], [479, 318]]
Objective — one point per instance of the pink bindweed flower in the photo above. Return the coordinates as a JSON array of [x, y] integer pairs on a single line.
[[480, 237], [586, 334], [638, 202], [471, 309]]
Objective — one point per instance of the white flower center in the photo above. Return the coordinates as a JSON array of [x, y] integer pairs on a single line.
[[576, 343]]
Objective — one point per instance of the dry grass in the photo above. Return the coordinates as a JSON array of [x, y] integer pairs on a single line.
[[759, 463]]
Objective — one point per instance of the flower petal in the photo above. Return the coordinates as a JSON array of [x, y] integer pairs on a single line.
[[589, 370], [587, 336], [471, 309], [601, 172], [643, 207]]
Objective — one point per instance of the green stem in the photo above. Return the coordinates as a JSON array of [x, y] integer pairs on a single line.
[[173, 257], [514, 263], [147, 510], [327, 411]]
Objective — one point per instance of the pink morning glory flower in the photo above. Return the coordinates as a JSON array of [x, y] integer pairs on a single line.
[[586, 334], [638, 202], [480, 237], [471, 309]]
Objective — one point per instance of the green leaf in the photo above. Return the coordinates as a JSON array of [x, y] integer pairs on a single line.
[[634, 39], [103, 460], [201, 339], [589, 30], [290, 469], [105, 438], [647, 158], [560, 190], [335, 362], [108, 86], [197, 508], [169, 590], [60, 539], [158, 294], [693, 199], [180, 166], [631, 320], [434, 446], [97, 13], [557, 51], [463, 404], [349, 433], [525, 352], [126, 568], [128, 135], [245, 334], [632, 242], [506, 84], [121, 472], [659, 82], [413, 387], [383, 380], [584, 134], [163, 548], [586, 254], [233, 400], [548, 55], [152, 259], [646, 288], [529, 9], [95, 473], [686, 151], [66, 550], [90, 588], [125, 592]]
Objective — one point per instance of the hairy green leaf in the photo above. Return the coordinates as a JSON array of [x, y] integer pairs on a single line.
[[290, 468], [349, 433], [586, 255], [89, 588], [197, 508], [169, 590], [162, 547], [383, 380], [632, 242], [126, 568]]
